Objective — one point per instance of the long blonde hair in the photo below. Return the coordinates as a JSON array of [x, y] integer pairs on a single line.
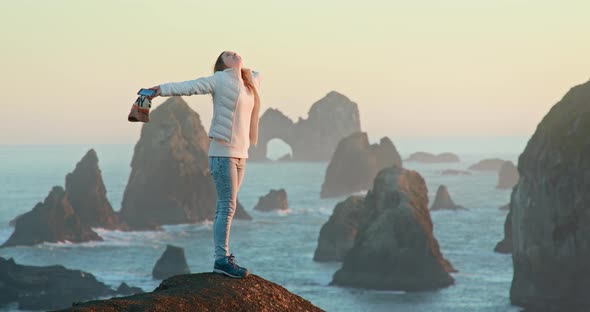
[[248, 78]]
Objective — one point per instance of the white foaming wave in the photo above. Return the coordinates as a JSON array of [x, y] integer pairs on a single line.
[[283, 212], [278, 212], [113, 238]]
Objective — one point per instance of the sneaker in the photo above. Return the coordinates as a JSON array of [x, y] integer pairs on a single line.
[[228, 266]]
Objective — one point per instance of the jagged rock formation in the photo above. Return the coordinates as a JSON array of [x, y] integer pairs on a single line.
[[50, 287], [70, 214], [397, 235], [507, 176], [443, 201], [551, 210], [206, 292], [169, 181], [172, 262], [87, 194], [431, 158], [338, 234], [54, 220], [355, 164], [492, 164], [274, 200], [313, 139]]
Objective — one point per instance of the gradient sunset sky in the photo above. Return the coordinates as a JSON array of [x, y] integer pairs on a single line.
[[70, 70]]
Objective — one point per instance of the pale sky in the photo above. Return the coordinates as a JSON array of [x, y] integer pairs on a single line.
[[70, 70]]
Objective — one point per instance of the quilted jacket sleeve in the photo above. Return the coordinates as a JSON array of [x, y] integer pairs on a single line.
[[202, 85]]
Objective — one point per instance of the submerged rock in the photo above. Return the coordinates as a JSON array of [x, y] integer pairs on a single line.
[[54, 221], [50, 287], [169, 181], [330, 119], [205, 292], [443, 200], [274, 200], [172, 262], [355, 164], [338, 234], [551, 210], [397, 235]]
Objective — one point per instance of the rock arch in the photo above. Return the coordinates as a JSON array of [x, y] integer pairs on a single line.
[[329, 120]]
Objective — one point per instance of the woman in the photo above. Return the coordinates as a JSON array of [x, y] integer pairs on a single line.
[[234, 127]]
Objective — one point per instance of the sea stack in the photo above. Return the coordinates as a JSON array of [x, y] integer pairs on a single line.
[[338, 234], [550, 209], [355, 164], [274, 200], [397, 235], [53, 221], [329, 120], [169, 181], [443, 200], [87, 194], [172, 262]]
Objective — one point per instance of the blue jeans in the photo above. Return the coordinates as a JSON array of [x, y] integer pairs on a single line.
[[227, 173]]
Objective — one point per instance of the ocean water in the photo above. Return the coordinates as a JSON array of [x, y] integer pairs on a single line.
[[275, 246]]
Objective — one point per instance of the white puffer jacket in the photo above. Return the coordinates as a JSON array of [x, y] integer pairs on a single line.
[[225, 88]]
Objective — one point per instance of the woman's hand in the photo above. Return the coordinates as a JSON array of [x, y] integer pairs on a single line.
[[157, 88]]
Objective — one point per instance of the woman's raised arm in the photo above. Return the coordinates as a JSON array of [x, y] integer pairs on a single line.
[[203, 85]]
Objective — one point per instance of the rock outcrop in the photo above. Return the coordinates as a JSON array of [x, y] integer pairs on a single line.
[[507, 176], [87, 195], [54, 220], [397, 235], [274, 200], [492, 164], [551, 210], [70, 214], [50, 287], [338, 234], [172, 262], [205, 292], [169, 181], [431, 158], [505, 245], [330, 119], [443, 201], [355, 164]]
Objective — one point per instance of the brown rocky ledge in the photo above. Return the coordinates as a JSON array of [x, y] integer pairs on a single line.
[[205, 292]]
